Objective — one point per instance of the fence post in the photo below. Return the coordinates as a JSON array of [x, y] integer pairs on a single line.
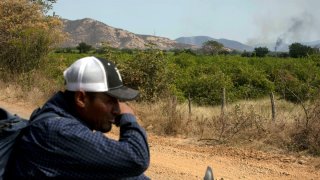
[[174, 104], [189, 104], [172, 107], [273, 107], [223, 102]]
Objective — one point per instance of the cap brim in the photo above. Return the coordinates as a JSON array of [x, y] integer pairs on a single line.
[[123, 93]]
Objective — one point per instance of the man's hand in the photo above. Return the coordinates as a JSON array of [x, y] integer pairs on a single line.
[[125, 108]]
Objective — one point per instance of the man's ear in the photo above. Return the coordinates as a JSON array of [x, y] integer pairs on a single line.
[[80, 99]]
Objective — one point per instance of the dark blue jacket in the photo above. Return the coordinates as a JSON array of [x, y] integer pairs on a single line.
[[59, 145]]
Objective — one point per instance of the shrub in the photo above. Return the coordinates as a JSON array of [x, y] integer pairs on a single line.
[[261, 51], [147, 71], [206, 89], [25, 53], [26, 34], [297, 84], [239, 125], [83, 47], [306, 133]]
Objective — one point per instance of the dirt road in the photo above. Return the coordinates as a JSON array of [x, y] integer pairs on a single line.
[[178, 158]]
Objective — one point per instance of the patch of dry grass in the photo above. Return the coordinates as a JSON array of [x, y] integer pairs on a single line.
[[246, 123], [33, 87], [152, 114]]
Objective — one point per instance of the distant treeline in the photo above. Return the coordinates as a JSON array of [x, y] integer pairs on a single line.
[[296, 50]]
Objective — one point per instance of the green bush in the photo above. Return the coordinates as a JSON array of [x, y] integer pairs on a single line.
[[148, 72], [25, 53], [27, 34]]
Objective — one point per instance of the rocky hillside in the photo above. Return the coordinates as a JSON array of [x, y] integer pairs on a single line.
[[199, 40], [95, 33]]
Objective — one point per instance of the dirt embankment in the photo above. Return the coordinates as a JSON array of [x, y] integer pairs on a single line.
[[178, 158]]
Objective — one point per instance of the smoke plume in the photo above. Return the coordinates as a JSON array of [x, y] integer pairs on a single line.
[[278, 43], [290, 21]]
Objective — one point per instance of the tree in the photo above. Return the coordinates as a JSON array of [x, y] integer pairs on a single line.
[[149, 72], [246, 54], [83, 47], [26, 35], [261, 51], [45, 4], [297, 50], [283, 54], [212, 47]]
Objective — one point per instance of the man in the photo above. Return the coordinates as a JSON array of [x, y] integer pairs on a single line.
[[65, 138]]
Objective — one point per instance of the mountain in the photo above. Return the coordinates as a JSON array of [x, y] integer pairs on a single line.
[[194, 40], [199, 40], [95, 33]]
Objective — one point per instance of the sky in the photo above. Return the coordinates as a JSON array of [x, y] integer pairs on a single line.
[[247, 21]]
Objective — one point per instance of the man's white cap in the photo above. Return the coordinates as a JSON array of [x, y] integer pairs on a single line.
[[93, 74]]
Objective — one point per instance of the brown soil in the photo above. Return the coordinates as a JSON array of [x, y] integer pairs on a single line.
[[185, 158]]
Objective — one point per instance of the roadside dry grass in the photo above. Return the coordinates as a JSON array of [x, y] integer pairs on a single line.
[[155, 113], [32, 87], [245, 123]]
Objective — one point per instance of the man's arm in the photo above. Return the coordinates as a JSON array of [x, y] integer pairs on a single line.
[[79, 152], [124, 158]]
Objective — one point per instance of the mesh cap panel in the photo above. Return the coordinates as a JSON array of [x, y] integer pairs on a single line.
[[97, 75], [86, 74]]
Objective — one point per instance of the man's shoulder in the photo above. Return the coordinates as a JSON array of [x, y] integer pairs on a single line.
[[50, 119], [54, 125], [53, 118]]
